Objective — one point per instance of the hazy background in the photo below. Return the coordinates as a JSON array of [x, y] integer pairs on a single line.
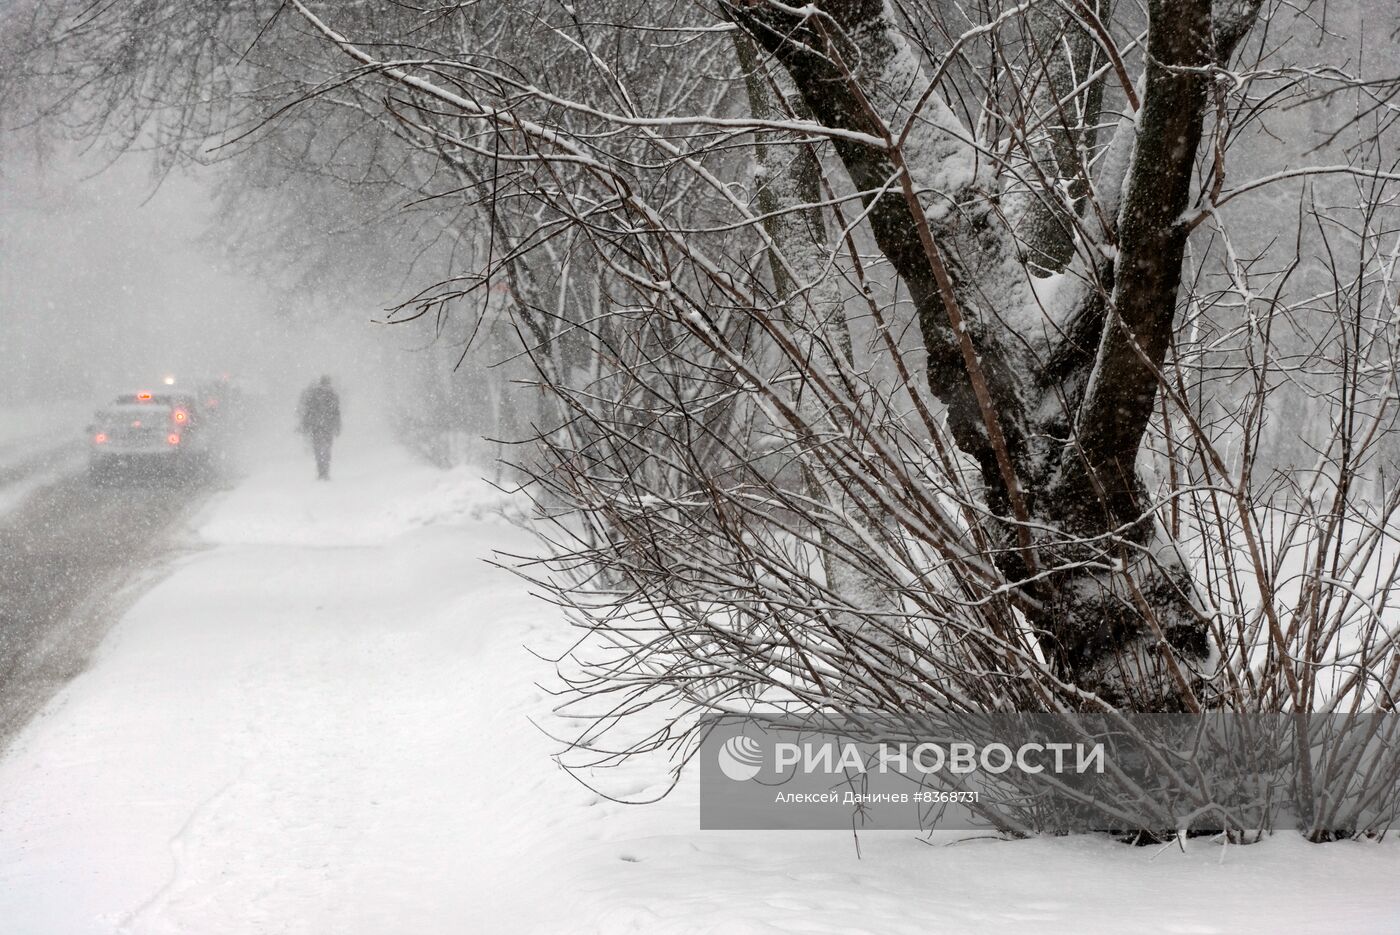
[[112, 277]]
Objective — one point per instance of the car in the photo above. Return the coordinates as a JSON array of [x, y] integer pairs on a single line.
[[219, 398], [147, 434]]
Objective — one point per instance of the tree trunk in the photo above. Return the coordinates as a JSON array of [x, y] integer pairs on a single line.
[[1071, 119], [1116, 606]]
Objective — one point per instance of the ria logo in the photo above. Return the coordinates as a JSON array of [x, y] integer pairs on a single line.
[[740, 758]]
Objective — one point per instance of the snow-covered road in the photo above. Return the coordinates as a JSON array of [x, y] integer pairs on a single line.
[[320, 724], [71, 552]]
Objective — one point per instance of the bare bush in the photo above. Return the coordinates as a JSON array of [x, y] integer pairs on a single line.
[[766, 495], [917, 357]]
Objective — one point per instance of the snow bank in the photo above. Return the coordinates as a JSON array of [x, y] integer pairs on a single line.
[[378, 493], [319, 722], [39, 442], [30, 427]]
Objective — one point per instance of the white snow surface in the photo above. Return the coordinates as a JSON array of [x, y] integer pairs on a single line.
[[29, 427], [320, 722], [44, 436]]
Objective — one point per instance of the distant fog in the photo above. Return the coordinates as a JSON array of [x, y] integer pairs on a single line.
[[109, 280]]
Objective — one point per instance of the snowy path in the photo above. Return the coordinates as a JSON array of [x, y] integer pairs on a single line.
[[285, 734], [319, 725]]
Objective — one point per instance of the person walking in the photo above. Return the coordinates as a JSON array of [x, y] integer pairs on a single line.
[[320, 421]]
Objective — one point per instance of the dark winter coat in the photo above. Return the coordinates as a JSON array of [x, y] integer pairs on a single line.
[[320, 411]]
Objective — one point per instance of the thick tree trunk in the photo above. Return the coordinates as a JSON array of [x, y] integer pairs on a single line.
[[1118, 614], [871, 96], [1071, 116]]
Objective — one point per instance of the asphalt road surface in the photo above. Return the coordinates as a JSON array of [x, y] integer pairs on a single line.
[[73, 555]]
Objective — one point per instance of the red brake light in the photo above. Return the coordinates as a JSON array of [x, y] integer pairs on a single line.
[[144, 397], [173, 438], [100, 438], [180, 415]]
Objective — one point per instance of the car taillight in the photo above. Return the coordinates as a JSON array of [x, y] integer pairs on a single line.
[[173, 438], [100, 438], [180, 415]]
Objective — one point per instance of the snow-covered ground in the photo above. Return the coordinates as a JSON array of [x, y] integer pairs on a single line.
[[319, 722], [38, 442], [27, 428]]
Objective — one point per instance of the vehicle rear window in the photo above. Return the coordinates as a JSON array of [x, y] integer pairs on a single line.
[[143, 411]]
